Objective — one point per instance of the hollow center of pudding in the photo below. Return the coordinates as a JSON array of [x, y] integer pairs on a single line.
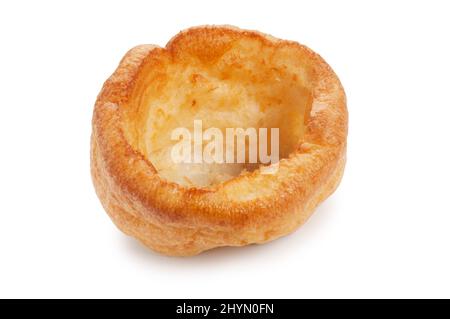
[[246, 86]]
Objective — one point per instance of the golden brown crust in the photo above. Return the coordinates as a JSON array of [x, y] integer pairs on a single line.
[[251, 208]]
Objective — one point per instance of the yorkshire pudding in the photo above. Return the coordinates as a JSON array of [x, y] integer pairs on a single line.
[[226, 77]]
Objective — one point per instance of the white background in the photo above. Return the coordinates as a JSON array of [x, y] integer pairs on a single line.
[[384, 233]]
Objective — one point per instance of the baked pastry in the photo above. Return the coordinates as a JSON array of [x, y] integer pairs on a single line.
[[227, 77]]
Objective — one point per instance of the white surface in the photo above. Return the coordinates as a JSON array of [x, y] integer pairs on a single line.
[[384, 233]]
